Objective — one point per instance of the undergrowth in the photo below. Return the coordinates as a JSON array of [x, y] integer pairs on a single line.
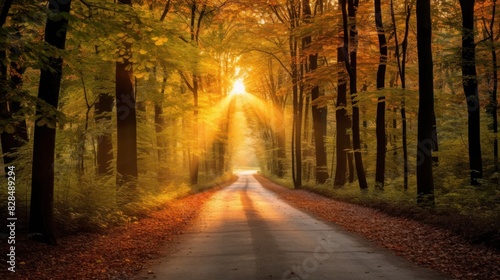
[[91, 203]]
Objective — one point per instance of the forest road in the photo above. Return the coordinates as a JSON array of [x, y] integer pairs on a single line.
[[245, 232]]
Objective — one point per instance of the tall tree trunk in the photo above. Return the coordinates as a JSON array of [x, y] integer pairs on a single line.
[[342, 118], [319, 112], [42, 180], [194, 159], [425, 179], [356, 139], [103, 110], [160, 123], [126, 154], [402, 75], [297, 118], [493, 102], [469, 81], [380, 123]]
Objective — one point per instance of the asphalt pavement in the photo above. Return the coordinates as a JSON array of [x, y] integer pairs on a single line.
[[246, 232]]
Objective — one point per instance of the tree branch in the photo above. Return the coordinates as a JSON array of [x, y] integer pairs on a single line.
[[273, 55], [165, 11], [191, 88]]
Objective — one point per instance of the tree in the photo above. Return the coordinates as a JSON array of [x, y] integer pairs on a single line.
[[350, 37], [342, 138], [319, 112], [380, 129], [425, 179], [126, 125], [401, 59], [341, 115], [42, 181], [291, 17], [469, 82], [493, 102], [103, 109]]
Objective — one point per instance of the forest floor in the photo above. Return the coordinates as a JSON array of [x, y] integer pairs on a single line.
[[123, 252]]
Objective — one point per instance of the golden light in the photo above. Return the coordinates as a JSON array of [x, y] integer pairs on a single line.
[[238, 87]]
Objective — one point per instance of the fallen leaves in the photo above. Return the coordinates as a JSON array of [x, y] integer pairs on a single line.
[[119, 254], [424, 245]]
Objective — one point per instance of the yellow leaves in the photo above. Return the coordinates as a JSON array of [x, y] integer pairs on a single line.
[[143, 52], [139, 75], [159, 41]]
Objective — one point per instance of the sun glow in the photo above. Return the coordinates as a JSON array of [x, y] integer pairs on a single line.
[[238, 87]]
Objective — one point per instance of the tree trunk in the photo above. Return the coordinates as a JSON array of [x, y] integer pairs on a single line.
[[319, 112], [435, 148], [469, 81], [342, 125], [402, 75], [41, 225], [380, 122], [103, 110], [425, 179], [356, 139], [493, 102], [126, 154], [194, 160], [297, 117]]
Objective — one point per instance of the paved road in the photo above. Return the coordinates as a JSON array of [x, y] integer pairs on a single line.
[[246, 232]]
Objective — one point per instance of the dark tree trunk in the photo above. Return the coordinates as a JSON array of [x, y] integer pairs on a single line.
[[402, 75], [319, 112], [5, 11], [126, 154], [103, 110], [194, 159], [425, 179], [41, 225], [469, 81], [435, 148], [493, 102], [380, 123], [297, 117], [356, 139], [159, 119], [342, 125]]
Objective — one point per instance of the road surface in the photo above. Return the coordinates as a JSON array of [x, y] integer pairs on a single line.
[[245, 232]]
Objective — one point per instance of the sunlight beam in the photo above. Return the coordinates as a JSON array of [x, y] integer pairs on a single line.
[[238, 87]]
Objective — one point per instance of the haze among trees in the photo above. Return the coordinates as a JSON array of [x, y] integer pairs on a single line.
[[110, 108]]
